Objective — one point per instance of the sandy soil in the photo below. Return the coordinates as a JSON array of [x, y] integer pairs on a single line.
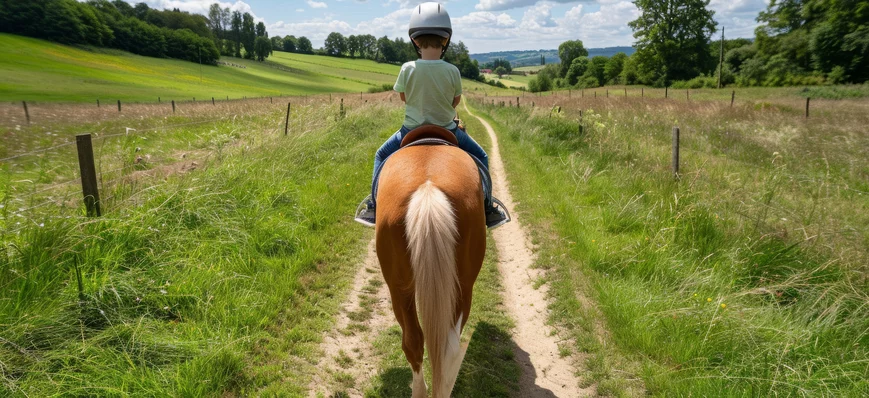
[[348, 360]]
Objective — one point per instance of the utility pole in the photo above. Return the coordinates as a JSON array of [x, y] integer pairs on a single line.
[[200, 65], [721, 57]]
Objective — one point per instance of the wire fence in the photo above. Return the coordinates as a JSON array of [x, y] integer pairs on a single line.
[[48, 177]]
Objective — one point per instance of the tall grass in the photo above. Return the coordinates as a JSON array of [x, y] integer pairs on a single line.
[[203, 285], [747, 276]]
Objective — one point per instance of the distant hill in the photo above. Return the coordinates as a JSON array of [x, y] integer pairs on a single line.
[[532, 57]]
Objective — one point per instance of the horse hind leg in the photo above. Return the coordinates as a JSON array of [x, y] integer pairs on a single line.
[[411, 340]]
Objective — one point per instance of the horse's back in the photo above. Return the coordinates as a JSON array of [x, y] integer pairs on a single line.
[[450, 169]]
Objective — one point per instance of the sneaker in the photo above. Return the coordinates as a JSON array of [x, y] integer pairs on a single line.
[[366, 213], [496, 217]]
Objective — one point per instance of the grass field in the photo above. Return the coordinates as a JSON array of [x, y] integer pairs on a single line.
[[40, 71], [36, 70], [198, 282], [747, 276], [534, 68]]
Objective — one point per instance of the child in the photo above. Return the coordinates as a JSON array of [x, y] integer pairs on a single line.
[[431, 89]]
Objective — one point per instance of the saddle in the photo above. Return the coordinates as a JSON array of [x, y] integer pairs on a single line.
[[429, 135]]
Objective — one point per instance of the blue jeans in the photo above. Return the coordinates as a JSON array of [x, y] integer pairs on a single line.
[[465, 142]]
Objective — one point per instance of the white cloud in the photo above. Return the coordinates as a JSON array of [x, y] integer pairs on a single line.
[[317, 4], [300, 10], [502, 5]]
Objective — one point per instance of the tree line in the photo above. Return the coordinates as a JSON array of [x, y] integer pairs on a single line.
[[137, 29], [799, 42], [384, 50]]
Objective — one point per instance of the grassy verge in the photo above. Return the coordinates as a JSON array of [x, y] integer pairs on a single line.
[[205, 284], [489, 368], [746, 277]]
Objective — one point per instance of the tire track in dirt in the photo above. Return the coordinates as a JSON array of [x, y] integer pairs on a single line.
[[545, 373], [348, 361]]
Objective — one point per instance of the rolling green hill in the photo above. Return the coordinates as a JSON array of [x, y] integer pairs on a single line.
[[37, 70]]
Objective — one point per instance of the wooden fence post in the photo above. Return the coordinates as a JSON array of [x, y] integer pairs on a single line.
[[732, 97], [517, 102], [687, 95], [607, 93], [626, 92], [88, 174], [27, 113], [119, 106], [676, 152], [173, 106], [212, 101], [287, 122], [581, 127], [194, 99], [807, 107], [159, 100], [666, 92], [98, 102], [342, 107]]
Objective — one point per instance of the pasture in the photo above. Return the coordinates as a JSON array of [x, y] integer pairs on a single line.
[[746, 275], [36, 70]]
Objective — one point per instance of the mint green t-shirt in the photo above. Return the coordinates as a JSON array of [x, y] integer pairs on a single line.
[[429, 88]]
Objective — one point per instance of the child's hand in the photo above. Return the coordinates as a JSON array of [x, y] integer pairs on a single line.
[[460, 123]]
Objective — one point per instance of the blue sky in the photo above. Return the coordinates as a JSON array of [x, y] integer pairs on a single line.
[[483, 25]]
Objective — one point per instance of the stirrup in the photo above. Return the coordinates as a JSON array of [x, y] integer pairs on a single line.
[[500, 208], [365, 215]]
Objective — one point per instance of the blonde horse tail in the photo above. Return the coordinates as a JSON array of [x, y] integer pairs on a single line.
[[431, 235]]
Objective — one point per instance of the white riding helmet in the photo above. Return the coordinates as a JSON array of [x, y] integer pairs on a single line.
[[430, 19]]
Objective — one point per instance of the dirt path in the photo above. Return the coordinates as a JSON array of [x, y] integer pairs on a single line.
[[348, 360], [544, 372]]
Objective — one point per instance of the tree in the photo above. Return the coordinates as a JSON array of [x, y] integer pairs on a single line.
[[304, 45], [352, 45], [261, 30], [248, 35], [577, 69], [502, 62], [367, 46], [215, 19], [277, 43], [613, 67], [335, 44], [236, 32], [385, 50], [262, 48], [290, 43], [567, 52], [542, 60], [500, 71], [672, 37]]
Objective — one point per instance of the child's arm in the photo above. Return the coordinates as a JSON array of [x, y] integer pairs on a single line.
[[457, 100], [403, 98]]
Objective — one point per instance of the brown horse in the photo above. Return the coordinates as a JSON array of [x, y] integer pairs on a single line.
[[431, 240]]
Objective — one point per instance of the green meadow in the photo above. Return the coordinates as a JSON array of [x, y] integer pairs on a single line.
[[37, 70], [744, 276]]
